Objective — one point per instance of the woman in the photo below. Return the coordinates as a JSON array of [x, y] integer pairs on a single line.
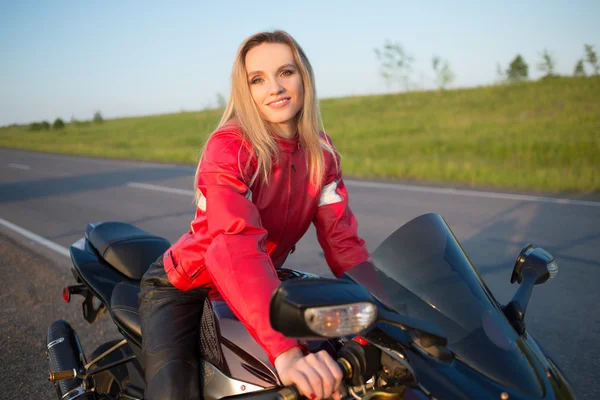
[[265, 174]]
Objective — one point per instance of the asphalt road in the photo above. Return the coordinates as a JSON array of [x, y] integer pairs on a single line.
[[30, 301], [56, 196]]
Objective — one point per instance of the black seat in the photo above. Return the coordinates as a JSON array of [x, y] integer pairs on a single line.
[[126, 247], [125, 310]]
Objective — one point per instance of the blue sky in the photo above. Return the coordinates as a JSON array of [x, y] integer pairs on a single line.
[[70, 58]]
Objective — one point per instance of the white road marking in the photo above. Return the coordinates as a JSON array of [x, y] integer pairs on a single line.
[[160, 188], [36, 238], [472, 193], [349, 182], [422, 189], [101, 161], [18, 166], [380, 185]]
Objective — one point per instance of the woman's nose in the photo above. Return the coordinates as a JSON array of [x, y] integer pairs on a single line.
[[275, 87]]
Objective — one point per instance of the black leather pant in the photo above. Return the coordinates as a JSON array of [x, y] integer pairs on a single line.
[[170, 336]]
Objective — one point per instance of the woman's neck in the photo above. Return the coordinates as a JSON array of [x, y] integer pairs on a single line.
[[287, 130]]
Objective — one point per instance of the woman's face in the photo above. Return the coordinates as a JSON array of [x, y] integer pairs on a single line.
[[276, 86]]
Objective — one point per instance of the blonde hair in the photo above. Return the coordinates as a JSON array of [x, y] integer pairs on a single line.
[[242, 111]]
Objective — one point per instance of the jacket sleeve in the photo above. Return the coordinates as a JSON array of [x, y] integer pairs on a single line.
[[236, 259], [336, 226]]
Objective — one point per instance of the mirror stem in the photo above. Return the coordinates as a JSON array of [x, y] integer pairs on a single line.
[[515, 310], [524, 292]]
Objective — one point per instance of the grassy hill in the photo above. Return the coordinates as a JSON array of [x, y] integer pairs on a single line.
[[542, 135]]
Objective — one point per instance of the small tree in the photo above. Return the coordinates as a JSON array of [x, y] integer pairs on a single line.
[[547, 65], [58, 124], [98, 118], [45, 125], [579, 70], [500, 77], [444, 76], [592, 58], [221, 101], [518, 70], [395, 64]]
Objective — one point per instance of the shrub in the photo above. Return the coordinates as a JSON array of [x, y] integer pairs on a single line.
[[58, 124], [579, 69], [517, 70], [592, 58], [98, 118]]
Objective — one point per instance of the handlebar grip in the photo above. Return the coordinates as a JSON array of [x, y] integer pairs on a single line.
[[289, 393], [62, 375], [346, 367], [292, 393]]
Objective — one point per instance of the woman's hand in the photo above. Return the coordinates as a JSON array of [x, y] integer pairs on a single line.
[[317, 376]]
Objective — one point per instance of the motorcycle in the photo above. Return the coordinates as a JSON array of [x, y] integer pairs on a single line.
[[416, 323]]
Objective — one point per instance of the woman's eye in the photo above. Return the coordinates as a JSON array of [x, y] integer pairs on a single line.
[[287, 72], [256, 80]]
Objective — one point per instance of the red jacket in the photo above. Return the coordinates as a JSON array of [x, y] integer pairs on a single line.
[[240, 234]]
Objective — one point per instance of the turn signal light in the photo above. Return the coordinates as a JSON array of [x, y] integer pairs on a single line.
[[342, 320]]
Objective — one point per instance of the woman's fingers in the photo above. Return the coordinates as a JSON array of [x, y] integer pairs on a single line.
[[319, 363], [302, 383], [317, 376], [333, 367], [313, 377]]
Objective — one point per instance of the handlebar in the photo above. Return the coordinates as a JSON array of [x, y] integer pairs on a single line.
[[288, 392], [292, 393]]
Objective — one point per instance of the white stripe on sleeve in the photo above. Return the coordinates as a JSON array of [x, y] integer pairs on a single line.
[[202, 200], [329, 194]]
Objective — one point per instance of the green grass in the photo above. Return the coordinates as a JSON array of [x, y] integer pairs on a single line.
[[542, 135]]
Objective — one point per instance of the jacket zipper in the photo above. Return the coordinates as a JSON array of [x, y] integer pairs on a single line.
[[289, 194]]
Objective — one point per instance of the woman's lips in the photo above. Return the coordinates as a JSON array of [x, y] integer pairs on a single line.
[[279, 103]]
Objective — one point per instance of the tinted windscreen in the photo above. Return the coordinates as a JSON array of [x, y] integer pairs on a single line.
[[422, 272]]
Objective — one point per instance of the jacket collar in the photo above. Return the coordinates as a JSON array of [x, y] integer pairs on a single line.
[[287, 145]]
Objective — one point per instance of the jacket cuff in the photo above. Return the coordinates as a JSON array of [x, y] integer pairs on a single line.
[[283, 347]]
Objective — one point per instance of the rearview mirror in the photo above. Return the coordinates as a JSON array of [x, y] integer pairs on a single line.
[[538, 262], [334, 308], [321, 308], [534, 266]]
